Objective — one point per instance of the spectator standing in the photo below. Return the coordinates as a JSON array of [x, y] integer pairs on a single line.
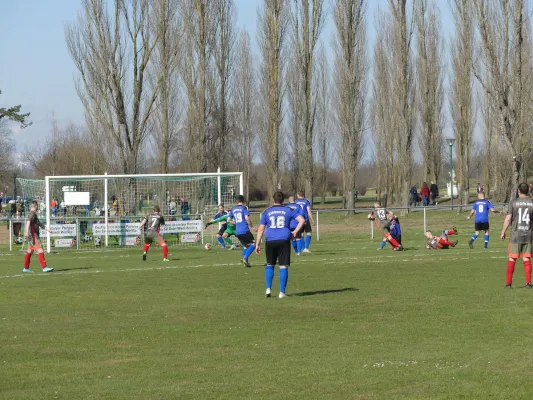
[[63, 207], [172, 207], [13, 208], [185, 209], [22, 210], [413, 196], [424, 193], [53, 207], [434, 190]]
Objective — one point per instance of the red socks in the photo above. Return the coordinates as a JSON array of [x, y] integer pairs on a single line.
[[527, 271], [146, 247], [27, 260], [165, 252], [450, 233], [510, 271], [393, 241], [445, 242], [42, 260]]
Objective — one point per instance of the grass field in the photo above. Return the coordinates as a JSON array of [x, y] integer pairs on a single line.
[[358, 324]]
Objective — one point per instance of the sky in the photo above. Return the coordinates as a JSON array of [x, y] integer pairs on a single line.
[[37, 72]]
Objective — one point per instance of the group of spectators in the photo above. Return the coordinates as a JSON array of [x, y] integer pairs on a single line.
[[184, 208], [427, 195]]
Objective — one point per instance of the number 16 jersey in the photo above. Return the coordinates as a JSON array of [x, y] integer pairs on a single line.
[[521, 210], [277, 220]]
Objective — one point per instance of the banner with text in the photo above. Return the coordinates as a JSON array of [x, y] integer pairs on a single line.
[[132, 229], [60, 230]]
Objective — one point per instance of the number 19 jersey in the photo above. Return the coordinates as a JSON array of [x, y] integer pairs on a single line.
[[277, 220], [521, 210], [238, 215]]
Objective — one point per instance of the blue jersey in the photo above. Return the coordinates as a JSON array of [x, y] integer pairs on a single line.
[[220, 214], [304, 203], [395, 228], [277, 220], [482, 209], [238, 215], [294, 207]]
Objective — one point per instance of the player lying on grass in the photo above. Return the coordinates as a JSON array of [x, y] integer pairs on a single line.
[[225, 233], [152, 224], [382, 217], [520, 219], [441, 242], [395, 231], [32, 236]]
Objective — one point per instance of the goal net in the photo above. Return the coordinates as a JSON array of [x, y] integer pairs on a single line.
[[104, 211]]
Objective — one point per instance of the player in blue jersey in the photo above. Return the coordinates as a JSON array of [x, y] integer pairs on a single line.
[[223, 227], [275, 225], [395, 231], [240, 216], [305, 205], [481, 209], [297, 242]]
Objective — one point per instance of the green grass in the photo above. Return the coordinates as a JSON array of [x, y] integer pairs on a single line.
[[358, 324]]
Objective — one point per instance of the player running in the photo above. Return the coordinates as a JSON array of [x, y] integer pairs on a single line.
[[441, 242], [275, 224], [305, 205], [240, 216], [228, 231], [297, 240], [32, 236], [152, 224], [383, 223], [520, 219], [220, 235], [481, 208], [395, 231]]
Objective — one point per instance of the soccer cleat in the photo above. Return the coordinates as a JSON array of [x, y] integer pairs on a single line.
[[26, 270], [306, 251], [232, 247], [298, 254], [282, 295], [508, 286], [166, 260], [268, 293], [471, 244], [144, 256], [48, 269], [528, 286], [455, 243], [246, 263], [379, 248], [454, 229]]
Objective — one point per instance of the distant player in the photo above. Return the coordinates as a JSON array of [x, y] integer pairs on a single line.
[[152, 225], [481, 209], [275, 224], [228, 231], [297, 241], [520, 219], [395, 231], [220, 235], [240, 216], [441, 242], [382, 217], [305, 205], [32, 236]]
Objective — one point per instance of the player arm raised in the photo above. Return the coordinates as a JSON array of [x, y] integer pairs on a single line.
[[506, 225], [220, 219]]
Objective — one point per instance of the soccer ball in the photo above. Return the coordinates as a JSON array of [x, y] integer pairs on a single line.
[[19, 240], [371, 217], [97, 241], [208, 246], [86, 239]]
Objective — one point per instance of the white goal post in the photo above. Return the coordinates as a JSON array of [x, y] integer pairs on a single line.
[[87, 211]]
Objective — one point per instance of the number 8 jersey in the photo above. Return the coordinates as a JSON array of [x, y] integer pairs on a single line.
[[521, 210], [277, 220]]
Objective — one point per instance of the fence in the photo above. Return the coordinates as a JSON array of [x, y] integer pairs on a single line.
[[88, 233]]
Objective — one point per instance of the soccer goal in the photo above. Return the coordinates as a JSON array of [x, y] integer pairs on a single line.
[[104, 211]]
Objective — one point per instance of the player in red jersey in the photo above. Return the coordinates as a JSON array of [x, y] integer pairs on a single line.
[[32, 236], [441, 242], [152, 224]]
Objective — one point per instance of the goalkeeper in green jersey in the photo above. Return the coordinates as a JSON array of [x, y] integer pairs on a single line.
[[229, 231]]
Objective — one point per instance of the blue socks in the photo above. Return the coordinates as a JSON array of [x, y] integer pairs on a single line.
[[383, 243], [298, 245], [487, 241], [283, 278], [221, 241], [473, 238], [307, 241], [269, 276], [295, 246], [247, 252]]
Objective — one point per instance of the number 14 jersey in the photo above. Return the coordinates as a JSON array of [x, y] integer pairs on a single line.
[[521, 210], [277, 220]]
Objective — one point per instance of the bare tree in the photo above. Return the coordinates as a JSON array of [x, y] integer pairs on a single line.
[[501, 30], [6, 150], [294, 137], [351, 72], [461, 99], [245, 92], [271, 37], [307, 20], [430, 89], [112, 52], [324, 133]]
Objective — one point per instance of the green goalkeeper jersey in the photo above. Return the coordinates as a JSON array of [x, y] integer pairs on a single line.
[[230, 230]]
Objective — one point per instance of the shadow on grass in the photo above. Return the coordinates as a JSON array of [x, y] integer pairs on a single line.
[[326, 291], [71, 269]]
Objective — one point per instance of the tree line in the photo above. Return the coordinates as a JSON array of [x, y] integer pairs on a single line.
[[175, 85]]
